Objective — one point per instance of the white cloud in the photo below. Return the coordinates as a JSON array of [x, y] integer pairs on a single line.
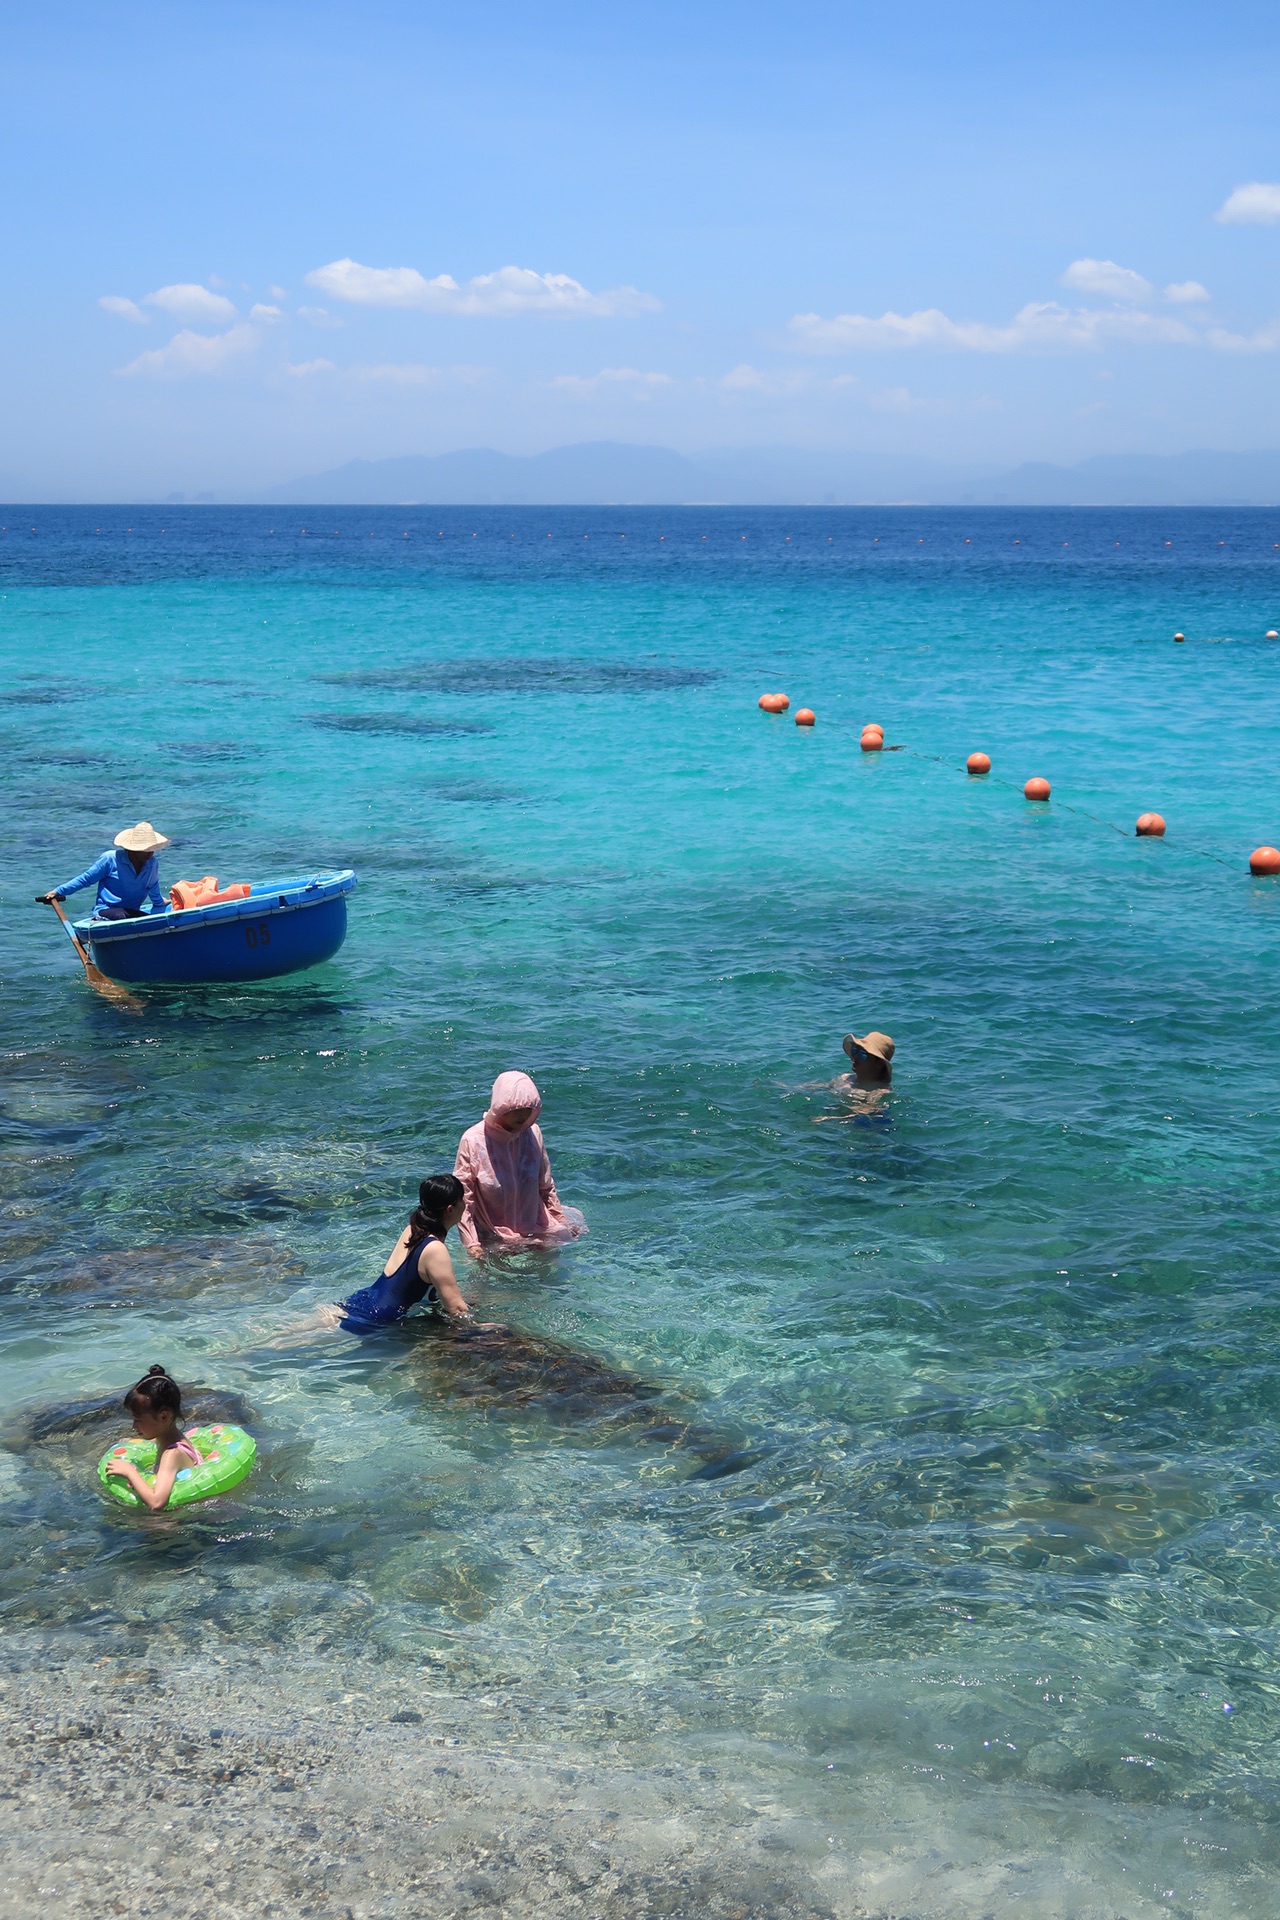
[[775, 384], [278, 293], [191, 352], [509, 291], [382, 286], [1264, 340], [190, 302], [902, 400], [265, 316], [407, 373], [319, 317], [1042, 326], [125, 309], [745, 382], [640, 386], [1106, 278], [899, 400], [1256, 205], [390, 373], [744, 378], [413, 374]]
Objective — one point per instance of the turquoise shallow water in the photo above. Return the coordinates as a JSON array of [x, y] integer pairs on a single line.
[[998, 1561]]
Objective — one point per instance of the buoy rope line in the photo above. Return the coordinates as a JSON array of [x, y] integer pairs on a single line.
[[1067, 806]]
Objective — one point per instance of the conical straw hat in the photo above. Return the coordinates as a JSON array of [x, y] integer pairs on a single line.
[[141, 839]]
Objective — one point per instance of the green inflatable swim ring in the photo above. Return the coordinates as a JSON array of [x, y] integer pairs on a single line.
[[226, 1454]]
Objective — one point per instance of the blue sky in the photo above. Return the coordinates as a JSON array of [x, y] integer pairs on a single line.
[[251, 242]]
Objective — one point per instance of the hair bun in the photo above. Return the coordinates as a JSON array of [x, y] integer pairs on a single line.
[[155, 1367]]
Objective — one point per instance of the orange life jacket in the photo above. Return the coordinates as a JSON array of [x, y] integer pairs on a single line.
[[205, 892]]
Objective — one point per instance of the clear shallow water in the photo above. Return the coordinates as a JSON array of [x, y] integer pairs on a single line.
[[1002, 1364]]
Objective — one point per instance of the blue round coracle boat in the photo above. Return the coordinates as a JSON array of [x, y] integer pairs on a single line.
[[282, 926]]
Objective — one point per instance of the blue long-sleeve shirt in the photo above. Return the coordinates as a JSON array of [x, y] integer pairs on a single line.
[[119, 882]]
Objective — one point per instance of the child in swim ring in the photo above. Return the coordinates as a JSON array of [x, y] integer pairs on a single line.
[[156, 1406]]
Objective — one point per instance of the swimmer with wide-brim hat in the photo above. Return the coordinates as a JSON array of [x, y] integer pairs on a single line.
[[872, 1057]]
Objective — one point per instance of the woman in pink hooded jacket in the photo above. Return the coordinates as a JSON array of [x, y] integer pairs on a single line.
[[511, 1198]]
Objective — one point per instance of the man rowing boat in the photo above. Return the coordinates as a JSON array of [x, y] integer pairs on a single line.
[[125, 879]]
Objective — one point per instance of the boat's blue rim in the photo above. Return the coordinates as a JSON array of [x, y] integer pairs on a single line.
[[267, 898]]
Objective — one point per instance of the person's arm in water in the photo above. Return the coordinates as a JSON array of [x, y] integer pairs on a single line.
[[155, 1496], [464, 1171], [90, 876], [436, 1268], [546, 1185]]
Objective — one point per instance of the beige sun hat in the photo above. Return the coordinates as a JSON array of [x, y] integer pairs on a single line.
[[141, 839], [875, 1043]]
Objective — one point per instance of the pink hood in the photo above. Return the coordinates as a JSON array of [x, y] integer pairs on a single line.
[[512, 1092], [511, 1198]]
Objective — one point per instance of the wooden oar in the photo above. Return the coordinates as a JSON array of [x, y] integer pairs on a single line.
[[109, 989]]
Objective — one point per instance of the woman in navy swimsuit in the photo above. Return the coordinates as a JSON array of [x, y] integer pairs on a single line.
[[419, 1267]]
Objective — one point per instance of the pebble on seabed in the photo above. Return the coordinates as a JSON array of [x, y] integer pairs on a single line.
[[277, 1798]]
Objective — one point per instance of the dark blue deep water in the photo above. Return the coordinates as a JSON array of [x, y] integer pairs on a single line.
[[928, 1460]]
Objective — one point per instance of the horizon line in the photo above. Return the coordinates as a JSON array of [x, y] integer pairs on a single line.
[[635, 506]]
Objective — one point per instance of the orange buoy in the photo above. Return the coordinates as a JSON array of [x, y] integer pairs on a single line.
[[1272, 634], [1036, 789], [805, 717], [872, 742], [1265, 860], [873, 726], [1179, 636], [773, 702], [978, 763], [1150, 825]]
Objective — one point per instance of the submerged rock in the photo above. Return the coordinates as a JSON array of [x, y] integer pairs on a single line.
[[182, 1268], [78, 1426], [504, 1370], [411, 723], [526, 675]]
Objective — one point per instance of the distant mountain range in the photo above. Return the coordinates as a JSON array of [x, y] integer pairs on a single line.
[[614, 473]]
